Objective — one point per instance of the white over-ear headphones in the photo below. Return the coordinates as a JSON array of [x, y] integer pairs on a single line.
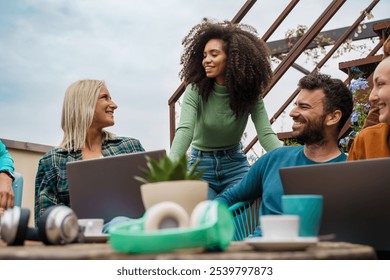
[[172, 215], [167, 226]]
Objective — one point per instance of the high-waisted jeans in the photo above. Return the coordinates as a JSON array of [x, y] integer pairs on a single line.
[[222, 169]]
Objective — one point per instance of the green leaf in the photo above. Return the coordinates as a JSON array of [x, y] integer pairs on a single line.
[[192, 174], [176, 173], [141, 180]]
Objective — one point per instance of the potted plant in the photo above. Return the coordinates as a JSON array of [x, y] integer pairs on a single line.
[[167, 180], [168, 170]]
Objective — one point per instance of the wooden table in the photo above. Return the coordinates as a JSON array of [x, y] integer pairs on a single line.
[[236, 251]]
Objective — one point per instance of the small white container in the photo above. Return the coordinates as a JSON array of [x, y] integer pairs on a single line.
[[92, 227], [279, 227]]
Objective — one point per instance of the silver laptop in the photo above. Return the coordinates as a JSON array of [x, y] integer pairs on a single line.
[[106, 188], [356, 198]]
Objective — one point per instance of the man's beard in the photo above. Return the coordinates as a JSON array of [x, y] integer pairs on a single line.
[[312, 133]]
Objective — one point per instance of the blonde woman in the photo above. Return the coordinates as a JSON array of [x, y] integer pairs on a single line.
[[87, 110], [374, 141]]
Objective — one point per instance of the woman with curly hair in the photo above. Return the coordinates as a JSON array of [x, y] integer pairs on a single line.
[[227, 69]]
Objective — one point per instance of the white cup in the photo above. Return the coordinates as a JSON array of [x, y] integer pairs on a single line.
[[91, 226], [279, 227]]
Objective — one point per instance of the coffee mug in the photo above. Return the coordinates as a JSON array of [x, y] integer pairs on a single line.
[[279, 227], [308, 208], [91, 226]]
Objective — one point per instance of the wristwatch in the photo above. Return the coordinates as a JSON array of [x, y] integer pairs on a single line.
[[9, 173]]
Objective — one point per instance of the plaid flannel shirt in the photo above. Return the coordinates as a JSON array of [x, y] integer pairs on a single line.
[[51, 183]]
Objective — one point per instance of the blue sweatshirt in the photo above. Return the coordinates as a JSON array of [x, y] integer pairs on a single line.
[[263, 179]]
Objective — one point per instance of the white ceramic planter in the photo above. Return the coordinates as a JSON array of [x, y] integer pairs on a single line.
[[187, 193]]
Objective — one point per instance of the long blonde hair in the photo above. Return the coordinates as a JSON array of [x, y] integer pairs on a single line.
[[77, 112]]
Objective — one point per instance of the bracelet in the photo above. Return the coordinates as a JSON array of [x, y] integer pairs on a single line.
[[9, 173]]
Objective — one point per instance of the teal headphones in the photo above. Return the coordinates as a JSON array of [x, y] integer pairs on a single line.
[[166, 226]]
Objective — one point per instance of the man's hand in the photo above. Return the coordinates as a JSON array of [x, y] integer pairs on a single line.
[[6, 192]]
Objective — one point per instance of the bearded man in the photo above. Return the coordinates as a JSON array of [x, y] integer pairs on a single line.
[[323, 106]]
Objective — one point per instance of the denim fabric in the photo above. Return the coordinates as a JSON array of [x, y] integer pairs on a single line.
[[222, 169]]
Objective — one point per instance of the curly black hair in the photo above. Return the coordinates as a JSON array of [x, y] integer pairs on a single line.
[[248, 66]]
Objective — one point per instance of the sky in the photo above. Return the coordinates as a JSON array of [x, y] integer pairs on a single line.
[[135, 47]]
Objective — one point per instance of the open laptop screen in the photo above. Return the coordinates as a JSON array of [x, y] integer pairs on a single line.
[[106, 188], [356, 198]]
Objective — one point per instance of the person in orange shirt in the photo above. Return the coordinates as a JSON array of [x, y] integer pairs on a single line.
[[374, 141]]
